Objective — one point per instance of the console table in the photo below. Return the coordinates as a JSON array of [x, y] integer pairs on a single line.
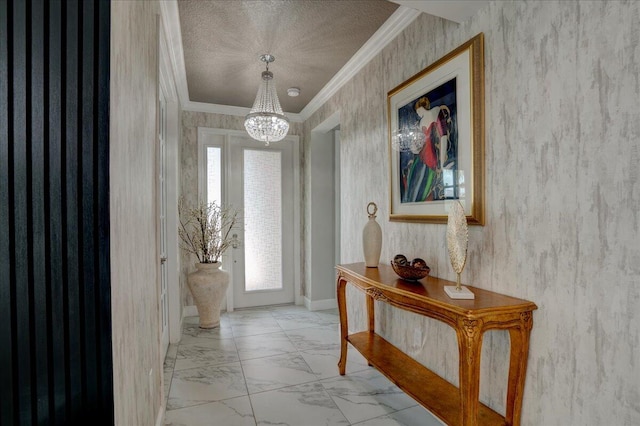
[[469, 318]]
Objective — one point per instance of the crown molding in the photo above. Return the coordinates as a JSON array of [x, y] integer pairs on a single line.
[[401, 18], [170, 16], [215, 108], [229, 110], [167, 76], [393, 26]]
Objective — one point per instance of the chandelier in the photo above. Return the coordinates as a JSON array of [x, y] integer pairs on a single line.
[[266, 122]]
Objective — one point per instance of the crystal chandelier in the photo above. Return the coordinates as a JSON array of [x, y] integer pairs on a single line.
[[266, 122]]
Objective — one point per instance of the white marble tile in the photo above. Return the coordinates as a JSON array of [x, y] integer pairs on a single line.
[[275, 372], [317, 338], [306, 404], [242, 317], [168, 376], [293, 312], [210, 333], [324, 363], [414, 416], [330, 315], [254, 326], [206, 384], [202, 352], [204, 339], [366, 395], [263, 345], [230, 412], [295, 320], [280, 309], [190, 327], [190, 321]]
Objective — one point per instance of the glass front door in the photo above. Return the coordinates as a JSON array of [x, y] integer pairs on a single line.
[[260, 185]]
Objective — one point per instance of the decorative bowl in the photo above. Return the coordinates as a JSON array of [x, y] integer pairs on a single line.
[[410, 273]]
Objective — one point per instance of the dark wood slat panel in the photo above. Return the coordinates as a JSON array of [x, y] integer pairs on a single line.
[[55, 311], [72, 255], [103, 299], [88, 246], [38, 209], [19, 224], [6, 170], [56, 328]]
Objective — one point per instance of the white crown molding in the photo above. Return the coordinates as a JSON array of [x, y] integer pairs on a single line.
[[167, 76], [393, 26], [229, 110], [401, 18], [215, 108], [171, 19]]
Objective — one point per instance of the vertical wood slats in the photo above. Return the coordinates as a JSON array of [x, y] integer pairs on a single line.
[[55, 310]]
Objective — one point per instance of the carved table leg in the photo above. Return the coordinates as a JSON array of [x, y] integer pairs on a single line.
[[518, 367], [470, 346], [371, 317], [344, 329]]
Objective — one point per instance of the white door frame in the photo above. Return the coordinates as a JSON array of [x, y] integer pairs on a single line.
[[168, 87], [228, 257]]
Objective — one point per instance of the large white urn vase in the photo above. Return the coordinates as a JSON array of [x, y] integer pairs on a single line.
[[208, 285]]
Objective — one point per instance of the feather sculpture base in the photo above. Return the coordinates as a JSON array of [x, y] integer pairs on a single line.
[[463, 293]]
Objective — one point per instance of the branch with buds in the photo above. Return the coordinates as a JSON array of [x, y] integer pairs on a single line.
[[205, 229]]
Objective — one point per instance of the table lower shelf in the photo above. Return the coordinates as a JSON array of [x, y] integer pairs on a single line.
[[430, 390]]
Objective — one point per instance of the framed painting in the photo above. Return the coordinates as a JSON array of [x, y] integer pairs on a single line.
[[436, 139]]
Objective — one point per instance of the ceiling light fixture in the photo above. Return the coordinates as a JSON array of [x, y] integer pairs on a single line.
[[293, 91], [266, 122]]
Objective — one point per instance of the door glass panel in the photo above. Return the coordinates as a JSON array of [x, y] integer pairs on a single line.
[[214, 175], [262, 220]]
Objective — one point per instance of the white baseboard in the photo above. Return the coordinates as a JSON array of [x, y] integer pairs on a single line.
[[320, 305], [189, 311]]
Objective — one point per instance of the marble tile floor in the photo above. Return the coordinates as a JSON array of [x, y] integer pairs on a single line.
[[278, 366]]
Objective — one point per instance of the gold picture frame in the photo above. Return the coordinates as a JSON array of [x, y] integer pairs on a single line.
[[436, 139]]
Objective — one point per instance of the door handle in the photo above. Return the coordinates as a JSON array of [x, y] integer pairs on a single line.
[[163, 259], [234, 241]]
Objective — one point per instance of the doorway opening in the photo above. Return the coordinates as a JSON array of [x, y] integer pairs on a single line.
[[323, 239]]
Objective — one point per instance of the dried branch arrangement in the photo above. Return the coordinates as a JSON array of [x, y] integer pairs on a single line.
[[205, 229]]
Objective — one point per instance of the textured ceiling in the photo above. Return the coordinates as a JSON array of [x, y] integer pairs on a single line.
[[311, 40]]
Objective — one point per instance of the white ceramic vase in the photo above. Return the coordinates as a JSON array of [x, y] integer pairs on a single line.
[[372, 238], [208, 285]]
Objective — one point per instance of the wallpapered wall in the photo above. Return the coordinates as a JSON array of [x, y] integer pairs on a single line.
[[562, 198], [189, 170], [137, 363]]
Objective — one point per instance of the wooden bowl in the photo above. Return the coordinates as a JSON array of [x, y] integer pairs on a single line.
[[410, 273]]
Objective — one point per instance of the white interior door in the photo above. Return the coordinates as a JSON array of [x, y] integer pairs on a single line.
[[162, 224], [262, 187]]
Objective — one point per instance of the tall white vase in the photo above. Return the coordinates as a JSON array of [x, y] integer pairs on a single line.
[[372, 238], [208, 285]]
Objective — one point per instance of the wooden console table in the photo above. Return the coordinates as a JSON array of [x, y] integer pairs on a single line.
[[469, 318]]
